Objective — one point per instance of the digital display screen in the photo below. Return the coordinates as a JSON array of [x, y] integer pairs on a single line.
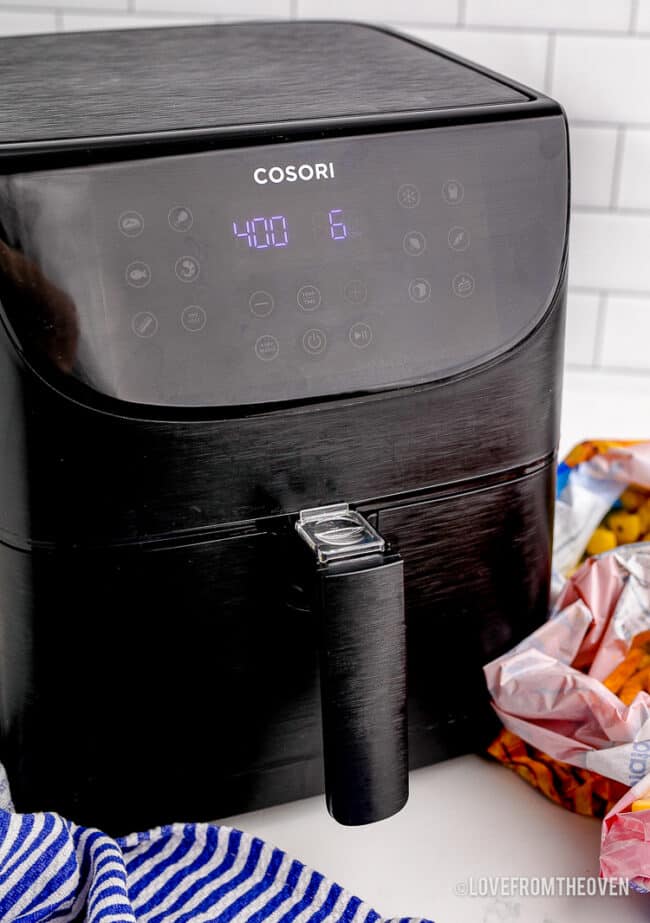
[[272, 231], [293, 271]]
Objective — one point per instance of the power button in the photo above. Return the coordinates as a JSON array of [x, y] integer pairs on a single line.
[[314, 341]]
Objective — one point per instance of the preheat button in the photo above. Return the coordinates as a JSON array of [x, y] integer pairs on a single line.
[[261, 304], [144, 324], [138, 274], [314, 341], [267, 347], [360, 335], [308, 297], [194, 318]]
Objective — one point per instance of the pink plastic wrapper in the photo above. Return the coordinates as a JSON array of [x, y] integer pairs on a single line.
[[625, 841], [549, 691]]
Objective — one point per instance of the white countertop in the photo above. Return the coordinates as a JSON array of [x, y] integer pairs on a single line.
[[469, 817]]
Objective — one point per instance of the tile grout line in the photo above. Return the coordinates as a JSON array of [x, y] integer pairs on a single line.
[[549, 69], [519, 30], [633, 371], [634, 15], [293, 9], [600, 331], [16, 6], [58, 20], [617, 171], [171, 15], [628, 211], [638, 294], [597, 123]]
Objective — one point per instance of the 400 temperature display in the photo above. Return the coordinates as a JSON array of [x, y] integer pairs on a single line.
[[263, 232]]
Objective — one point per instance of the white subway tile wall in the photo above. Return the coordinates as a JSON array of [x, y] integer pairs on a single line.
[[620, 347], [634, 186], [593, 56], [18, 22], [593, 157]]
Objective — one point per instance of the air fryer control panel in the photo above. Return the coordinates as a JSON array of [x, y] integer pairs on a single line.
[[280, 272]]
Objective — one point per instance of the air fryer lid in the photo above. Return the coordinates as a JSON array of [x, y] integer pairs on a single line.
[[287, 271]]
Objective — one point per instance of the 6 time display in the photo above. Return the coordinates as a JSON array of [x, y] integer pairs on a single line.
[[264, 232]]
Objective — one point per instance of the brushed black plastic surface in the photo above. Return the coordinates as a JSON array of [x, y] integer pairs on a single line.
[[160, 654], [365, 289], [161, 80], [360, 609], [201, 660]]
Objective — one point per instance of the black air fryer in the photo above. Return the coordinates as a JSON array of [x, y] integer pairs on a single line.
[[281, 353]]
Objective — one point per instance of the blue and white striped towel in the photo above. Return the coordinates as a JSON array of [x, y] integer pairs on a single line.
[[53, 870]]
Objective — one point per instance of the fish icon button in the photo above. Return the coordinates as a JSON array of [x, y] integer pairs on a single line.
[[138, 274]]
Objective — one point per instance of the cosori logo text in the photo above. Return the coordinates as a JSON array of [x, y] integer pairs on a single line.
[[292, 173]]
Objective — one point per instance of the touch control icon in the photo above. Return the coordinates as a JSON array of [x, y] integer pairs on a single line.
[[266, 347], [463, 284], [309, 297], [408, 195], [419, 290], [314, 341], [261, 304], [458, 239], [194, 318], [187, 269], [453, 192], [180, 218], [414, 243], [144, 324], [355, 291], [360, 335], [138, 274], [131, 224]]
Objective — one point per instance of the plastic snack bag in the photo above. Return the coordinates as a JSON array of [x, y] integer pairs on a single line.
[[575, 695]]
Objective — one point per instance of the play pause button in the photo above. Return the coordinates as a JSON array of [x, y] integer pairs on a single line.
[[360, 335]]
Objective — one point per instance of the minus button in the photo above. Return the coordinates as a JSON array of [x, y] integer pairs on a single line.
[[261, 304]]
